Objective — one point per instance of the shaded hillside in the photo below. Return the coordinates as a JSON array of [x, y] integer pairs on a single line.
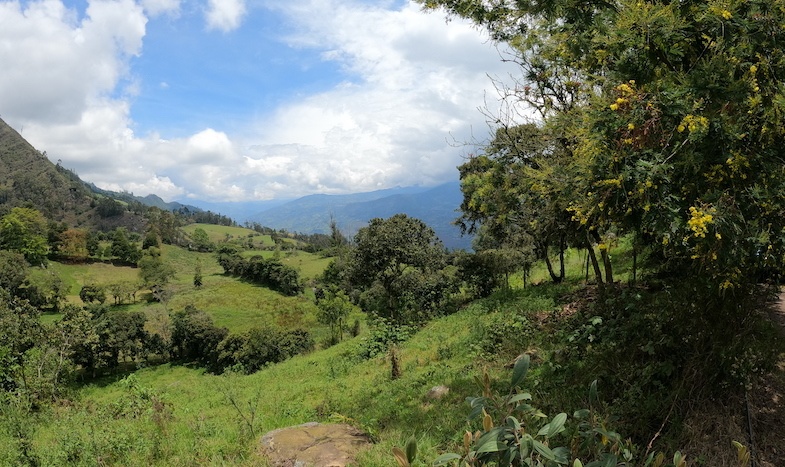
[[27, 177], [311, 214]]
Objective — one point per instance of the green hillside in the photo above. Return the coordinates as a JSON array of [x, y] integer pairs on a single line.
[[28, 176], [568, 338]]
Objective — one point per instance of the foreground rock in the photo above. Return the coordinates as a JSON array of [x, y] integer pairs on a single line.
[[313, 445]]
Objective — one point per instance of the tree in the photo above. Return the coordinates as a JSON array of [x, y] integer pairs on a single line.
[[153, 271], [45, 289], [668, 112], [151, 240], [23, 230], [198, 275], [195, 337], [515, 191], [92, 293], [122, 291], [92, 243], [165, 225], [22, 331], [200, 241], [123, 249], [332, 311], [388, 254], [13, 271], [73, 244]]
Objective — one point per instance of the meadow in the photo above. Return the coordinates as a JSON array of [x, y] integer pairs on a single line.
[[182, 415]]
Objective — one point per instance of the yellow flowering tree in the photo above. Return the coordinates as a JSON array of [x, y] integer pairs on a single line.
[[673, 110]]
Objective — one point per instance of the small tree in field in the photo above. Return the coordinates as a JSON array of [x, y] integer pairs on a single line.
[[198, 275], [332, 311]]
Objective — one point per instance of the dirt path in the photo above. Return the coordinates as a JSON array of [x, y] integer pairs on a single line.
[[713, 427], [767, 405]]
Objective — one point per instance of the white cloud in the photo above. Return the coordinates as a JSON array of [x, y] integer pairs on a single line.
[[224, 15], [160, 7], [413, 83], [53, 66], [417, 84]]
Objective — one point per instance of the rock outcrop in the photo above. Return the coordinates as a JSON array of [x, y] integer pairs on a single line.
[[313, 445]]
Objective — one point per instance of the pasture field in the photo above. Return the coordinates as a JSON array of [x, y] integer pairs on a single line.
[[233, 303], [220, 233], [195, 422]]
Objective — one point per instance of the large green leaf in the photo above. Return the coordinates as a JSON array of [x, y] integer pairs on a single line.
[[520, 370], [544, 451], [411, 449], [445, 459], [555, 426], [524, 396]]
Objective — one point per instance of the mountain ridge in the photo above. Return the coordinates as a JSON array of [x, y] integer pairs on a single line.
[[436, 206]]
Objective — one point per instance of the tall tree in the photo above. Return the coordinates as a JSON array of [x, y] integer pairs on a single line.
[[397, 262], [153, 271], [23, 230], [674, 115]]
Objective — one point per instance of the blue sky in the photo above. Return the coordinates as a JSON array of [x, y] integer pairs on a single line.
[[236, 100]]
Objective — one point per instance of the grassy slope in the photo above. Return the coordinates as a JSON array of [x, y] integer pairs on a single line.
[[234, 304], [327, 385]]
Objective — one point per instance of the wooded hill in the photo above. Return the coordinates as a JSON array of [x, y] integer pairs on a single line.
[[28, 178]]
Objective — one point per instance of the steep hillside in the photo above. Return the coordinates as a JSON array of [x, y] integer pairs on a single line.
[[27, 176]]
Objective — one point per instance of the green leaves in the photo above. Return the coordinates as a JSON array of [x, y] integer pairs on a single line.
[[554, 427], [519, 370]]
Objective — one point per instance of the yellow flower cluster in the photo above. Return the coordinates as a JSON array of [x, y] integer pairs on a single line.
[[720, 11], [754, 79], [693, 123], [699, 222], [578, 215], [625, 91], [738, 164], [610, 182]]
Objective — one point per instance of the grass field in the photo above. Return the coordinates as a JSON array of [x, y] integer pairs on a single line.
[[202, 427], [172, 415], [234, 304]]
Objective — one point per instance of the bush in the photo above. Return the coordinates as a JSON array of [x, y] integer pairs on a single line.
[[195, 337], [382, 335]]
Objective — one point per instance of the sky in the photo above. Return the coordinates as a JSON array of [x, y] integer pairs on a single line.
[[240, 100]]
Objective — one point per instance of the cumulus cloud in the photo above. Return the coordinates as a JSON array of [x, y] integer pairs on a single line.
[[224, 15], [413, 85], [416, 84], [55, 67]]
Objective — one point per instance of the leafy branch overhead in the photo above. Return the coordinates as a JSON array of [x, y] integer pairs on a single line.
[[665, 121]]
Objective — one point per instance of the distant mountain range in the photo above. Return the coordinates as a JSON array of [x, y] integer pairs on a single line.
[[436, 206], [27, 176]]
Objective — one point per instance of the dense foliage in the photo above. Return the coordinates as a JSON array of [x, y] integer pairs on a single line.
[[268, 272], [663, 122]]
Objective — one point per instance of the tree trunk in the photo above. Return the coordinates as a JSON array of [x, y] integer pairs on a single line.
[[606, 259], [556, 279], [562, 247], [593, 258]]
